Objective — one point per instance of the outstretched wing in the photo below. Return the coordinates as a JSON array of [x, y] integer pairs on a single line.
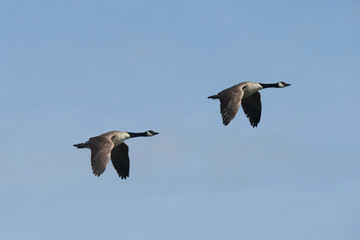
[[252, 108], [101, 147], [230, 100], [120, 160]]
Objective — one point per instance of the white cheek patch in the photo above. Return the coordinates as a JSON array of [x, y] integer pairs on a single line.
[[281, 85]]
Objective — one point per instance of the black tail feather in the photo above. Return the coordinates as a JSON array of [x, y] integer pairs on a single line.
[[81, 145], [214, 96]]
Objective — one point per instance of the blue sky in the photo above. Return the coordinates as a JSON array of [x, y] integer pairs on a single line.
[[71, 70]]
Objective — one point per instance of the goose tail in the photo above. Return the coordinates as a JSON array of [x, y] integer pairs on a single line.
[[82, 145], [214, 96]]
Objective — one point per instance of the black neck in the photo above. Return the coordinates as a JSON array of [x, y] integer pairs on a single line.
[[142, 134], [270, 85]]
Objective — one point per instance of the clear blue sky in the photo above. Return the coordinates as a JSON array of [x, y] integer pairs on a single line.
[[74, 69]]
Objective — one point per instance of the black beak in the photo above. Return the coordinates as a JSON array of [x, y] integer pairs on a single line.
[[287, 84], [155, 133]]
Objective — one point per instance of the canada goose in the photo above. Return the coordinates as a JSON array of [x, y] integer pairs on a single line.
[[247, 94], [111, 145]]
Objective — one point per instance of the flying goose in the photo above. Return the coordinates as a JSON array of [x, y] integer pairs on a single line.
[[111, 145], [247, 94]]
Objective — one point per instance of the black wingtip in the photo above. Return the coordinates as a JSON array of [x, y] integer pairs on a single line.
[[254, 125], [123, 176]]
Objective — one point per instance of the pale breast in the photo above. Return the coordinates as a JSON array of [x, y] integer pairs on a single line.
[[251, 88], [119, 137]]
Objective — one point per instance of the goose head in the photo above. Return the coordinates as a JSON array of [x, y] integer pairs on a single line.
[[283, 84], [151, 133]]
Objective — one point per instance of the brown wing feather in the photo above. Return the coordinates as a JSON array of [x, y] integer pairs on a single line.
[[120, 160], [230, 100], [252, 108], [101, 147]]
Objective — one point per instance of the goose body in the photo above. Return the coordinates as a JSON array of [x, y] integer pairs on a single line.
[[111, 145], [247, 95]]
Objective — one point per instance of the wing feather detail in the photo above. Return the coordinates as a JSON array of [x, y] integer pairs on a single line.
[[230, 101], [101, 147]]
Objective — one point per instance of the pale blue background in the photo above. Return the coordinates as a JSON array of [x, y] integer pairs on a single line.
[[70, 70]]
